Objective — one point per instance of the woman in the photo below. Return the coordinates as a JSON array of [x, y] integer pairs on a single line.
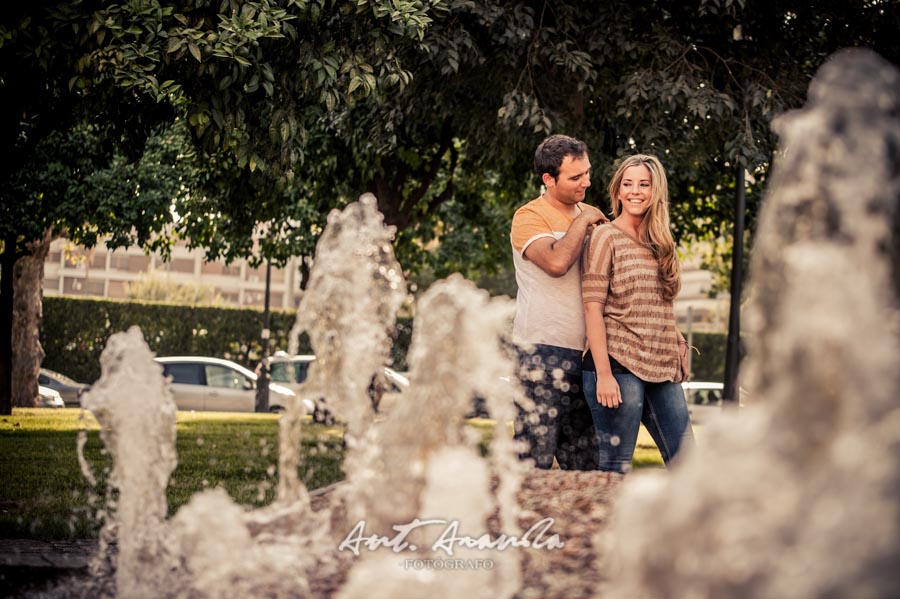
[[636, 358]]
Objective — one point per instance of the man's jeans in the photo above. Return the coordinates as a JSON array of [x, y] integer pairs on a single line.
[[561, 423], [660, 406]]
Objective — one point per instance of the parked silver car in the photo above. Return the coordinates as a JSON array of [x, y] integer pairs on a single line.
[[212, 384], [291, 371], [68, 389]]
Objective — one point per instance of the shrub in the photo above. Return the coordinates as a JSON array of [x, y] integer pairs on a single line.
[[74, 331]]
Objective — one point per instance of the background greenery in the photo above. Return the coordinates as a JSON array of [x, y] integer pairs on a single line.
[[75, 330], [238, 125]]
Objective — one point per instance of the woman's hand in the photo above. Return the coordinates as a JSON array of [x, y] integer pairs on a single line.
[[683, 351], [608, 393]]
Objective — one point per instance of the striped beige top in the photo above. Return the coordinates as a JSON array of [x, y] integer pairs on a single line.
[[621, 274]]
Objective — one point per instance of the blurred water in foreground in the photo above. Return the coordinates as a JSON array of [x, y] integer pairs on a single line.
[[418, 463], [799, 498]]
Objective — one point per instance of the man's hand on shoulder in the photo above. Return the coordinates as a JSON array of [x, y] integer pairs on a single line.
[[592, 215], [556, 256]]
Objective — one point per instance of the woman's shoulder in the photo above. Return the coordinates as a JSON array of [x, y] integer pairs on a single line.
[[602, 239], [605, 233]]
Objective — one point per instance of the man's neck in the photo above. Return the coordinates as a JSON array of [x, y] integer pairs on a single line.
[[569, 210]]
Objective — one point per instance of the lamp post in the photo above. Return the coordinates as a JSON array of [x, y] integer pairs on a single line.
[[732, 352], [262, 383]]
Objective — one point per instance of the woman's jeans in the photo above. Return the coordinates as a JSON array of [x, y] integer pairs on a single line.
[[660, 406]]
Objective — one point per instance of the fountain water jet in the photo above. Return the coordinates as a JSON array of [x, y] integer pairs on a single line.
[[421, 449], [349, 307], [141, 435], [423, 465]]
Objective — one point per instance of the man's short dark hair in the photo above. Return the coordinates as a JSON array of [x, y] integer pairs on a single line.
[[550, 153]]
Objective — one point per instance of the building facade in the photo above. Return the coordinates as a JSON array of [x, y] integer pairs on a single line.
[[101, 272]]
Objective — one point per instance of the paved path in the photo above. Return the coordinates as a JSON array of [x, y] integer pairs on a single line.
[[28, 568], [46, 554]]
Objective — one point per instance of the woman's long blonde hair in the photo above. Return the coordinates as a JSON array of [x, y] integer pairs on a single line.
[[655, 230]]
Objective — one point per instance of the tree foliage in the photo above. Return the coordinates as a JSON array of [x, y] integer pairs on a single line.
[[84, 82], [296, 106], [697, 83]]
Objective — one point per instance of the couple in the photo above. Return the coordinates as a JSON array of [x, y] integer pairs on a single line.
[[616, 301]]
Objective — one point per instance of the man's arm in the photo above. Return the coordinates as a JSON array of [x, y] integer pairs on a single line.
[[556, 256]]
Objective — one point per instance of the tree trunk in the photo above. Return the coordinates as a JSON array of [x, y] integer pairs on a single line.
[[389, 201], [7, 267], [27, 352]]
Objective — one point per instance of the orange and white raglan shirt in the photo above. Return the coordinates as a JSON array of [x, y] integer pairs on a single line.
[[548, 309]]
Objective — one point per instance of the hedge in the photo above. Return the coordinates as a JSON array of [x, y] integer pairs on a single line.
[[75, 330], [710, 364]]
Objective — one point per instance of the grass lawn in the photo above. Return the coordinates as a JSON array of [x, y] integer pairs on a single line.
[[646, 455], [43, 494]]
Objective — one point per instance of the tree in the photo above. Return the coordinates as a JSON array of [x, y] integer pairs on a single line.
[[297, 106], [81, 78], [697, 83], [71, 175]]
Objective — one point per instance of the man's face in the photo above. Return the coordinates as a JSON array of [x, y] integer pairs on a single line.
[[573, 180]]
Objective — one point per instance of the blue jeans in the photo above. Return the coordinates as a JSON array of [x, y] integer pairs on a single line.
[[560, 425], [660, 406]]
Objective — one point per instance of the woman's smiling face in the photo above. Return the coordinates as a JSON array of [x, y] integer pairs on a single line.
[[636, 189]]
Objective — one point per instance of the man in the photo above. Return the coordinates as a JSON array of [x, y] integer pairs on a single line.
[[547, 237]]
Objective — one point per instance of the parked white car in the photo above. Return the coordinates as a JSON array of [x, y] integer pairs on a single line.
[[212, 384], [49, 398], [704, 400]]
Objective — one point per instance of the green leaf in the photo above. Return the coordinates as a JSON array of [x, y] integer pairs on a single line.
[[195, 51]]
